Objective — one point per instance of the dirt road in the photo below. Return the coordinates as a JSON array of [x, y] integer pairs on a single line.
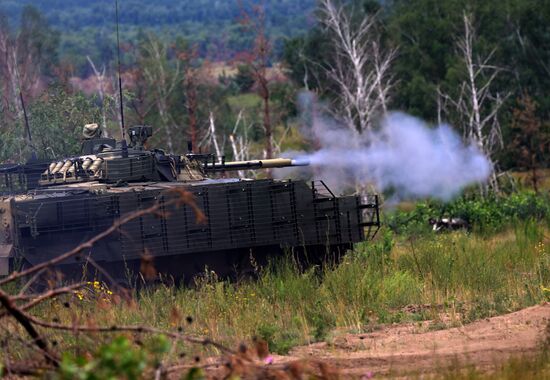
[[413, 348]]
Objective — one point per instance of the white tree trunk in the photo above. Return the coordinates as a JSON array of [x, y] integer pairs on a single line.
[[476, 106], [213, 137], [100, 79], [164, 84], [361, 70]]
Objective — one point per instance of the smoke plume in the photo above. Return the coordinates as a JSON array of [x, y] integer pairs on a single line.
[[404, 156]]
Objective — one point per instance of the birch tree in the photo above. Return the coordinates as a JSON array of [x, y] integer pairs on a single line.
[[163, 80], [101, 91], [360, 68], [477, 106]]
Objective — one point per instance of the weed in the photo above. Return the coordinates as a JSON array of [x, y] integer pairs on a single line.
[[391, 280], [114, 360], [279, 341]]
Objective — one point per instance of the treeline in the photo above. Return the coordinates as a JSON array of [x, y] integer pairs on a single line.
[[88, 27], [483, 67], [168, 84], [428, 73]]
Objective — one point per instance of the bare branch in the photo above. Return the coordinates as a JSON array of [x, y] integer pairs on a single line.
[[23, 320], [361, 70], [476, 107]]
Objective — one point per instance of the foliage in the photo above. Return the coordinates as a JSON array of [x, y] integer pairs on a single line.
[[514, 33], [117, 359], [11, 146], [42, 39], [489, 214], [35, 37], [57, 119], [531, 142], [244, 79], [473, 275], [424, 31], [88, 26]]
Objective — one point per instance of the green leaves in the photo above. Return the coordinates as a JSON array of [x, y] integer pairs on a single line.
[[57, 119], [489, 214], [118, 359]]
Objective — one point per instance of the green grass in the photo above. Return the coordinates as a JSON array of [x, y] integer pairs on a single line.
[[467, 276]]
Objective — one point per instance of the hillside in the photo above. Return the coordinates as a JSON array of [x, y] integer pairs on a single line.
[[89, 24]]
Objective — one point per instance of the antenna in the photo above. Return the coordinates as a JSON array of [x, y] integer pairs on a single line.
[[119, 76], [27, 126]]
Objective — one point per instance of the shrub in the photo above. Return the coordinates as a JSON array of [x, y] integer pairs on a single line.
[[490, 214], [118, 359]]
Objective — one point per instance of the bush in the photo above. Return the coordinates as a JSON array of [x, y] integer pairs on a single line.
[[280, 341], [119, 359], [490, 214]]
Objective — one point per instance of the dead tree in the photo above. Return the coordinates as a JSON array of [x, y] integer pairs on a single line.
[[477, 106], [190, 73], [19, 69], [240, 143], [213, 137], [163, 80], [360, 69], [101, 91], [258, 60], [531, 143]]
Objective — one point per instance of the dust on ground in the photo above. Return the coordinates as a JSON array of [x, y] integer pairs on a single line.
[[414, 349]]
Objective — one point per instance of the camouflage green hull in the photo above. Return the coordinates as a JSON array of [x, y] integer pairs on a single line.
[[262, 218]]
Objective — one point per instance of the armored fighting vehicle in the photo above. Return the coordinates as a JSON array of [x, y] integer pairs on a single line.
[[49, 208]]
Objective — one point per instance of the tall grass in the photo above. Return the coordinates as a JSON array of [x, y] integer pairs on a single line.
[[468, 276]]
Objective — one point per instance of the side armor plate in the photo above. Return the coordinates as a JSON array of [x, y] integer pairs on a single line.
[[5, 253]]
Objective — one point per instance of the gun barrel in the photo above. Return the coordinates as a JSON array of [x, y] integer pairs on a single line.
[[256, 164]]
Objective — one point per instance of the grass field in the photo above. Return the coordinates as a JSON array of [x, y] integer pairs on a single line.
[[450, 279], [464, 277]]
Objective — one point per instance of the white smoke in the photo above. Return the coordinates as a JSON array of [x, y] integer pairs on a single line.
[[404, 156]]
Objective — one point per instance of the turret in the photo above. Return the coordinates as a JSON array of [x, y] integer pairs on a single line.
[[108, 161]]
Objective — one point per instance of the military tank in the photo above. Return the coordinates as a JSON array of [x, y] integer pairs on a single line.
[[48, 208]]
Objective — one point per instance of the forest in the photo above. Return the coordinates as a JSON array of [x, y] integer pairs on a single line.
[[179, 80], [88, 27]]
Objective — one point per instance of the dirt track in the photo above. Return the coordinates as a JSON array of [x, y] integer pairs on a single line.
[[409, 348]]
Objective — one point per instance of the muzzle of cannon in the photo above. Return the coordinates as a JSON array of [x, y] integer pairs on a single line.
[[256, 164]]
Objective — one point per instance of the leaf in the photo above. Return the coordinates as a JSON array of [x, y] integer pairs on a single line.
[[194, 374]]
